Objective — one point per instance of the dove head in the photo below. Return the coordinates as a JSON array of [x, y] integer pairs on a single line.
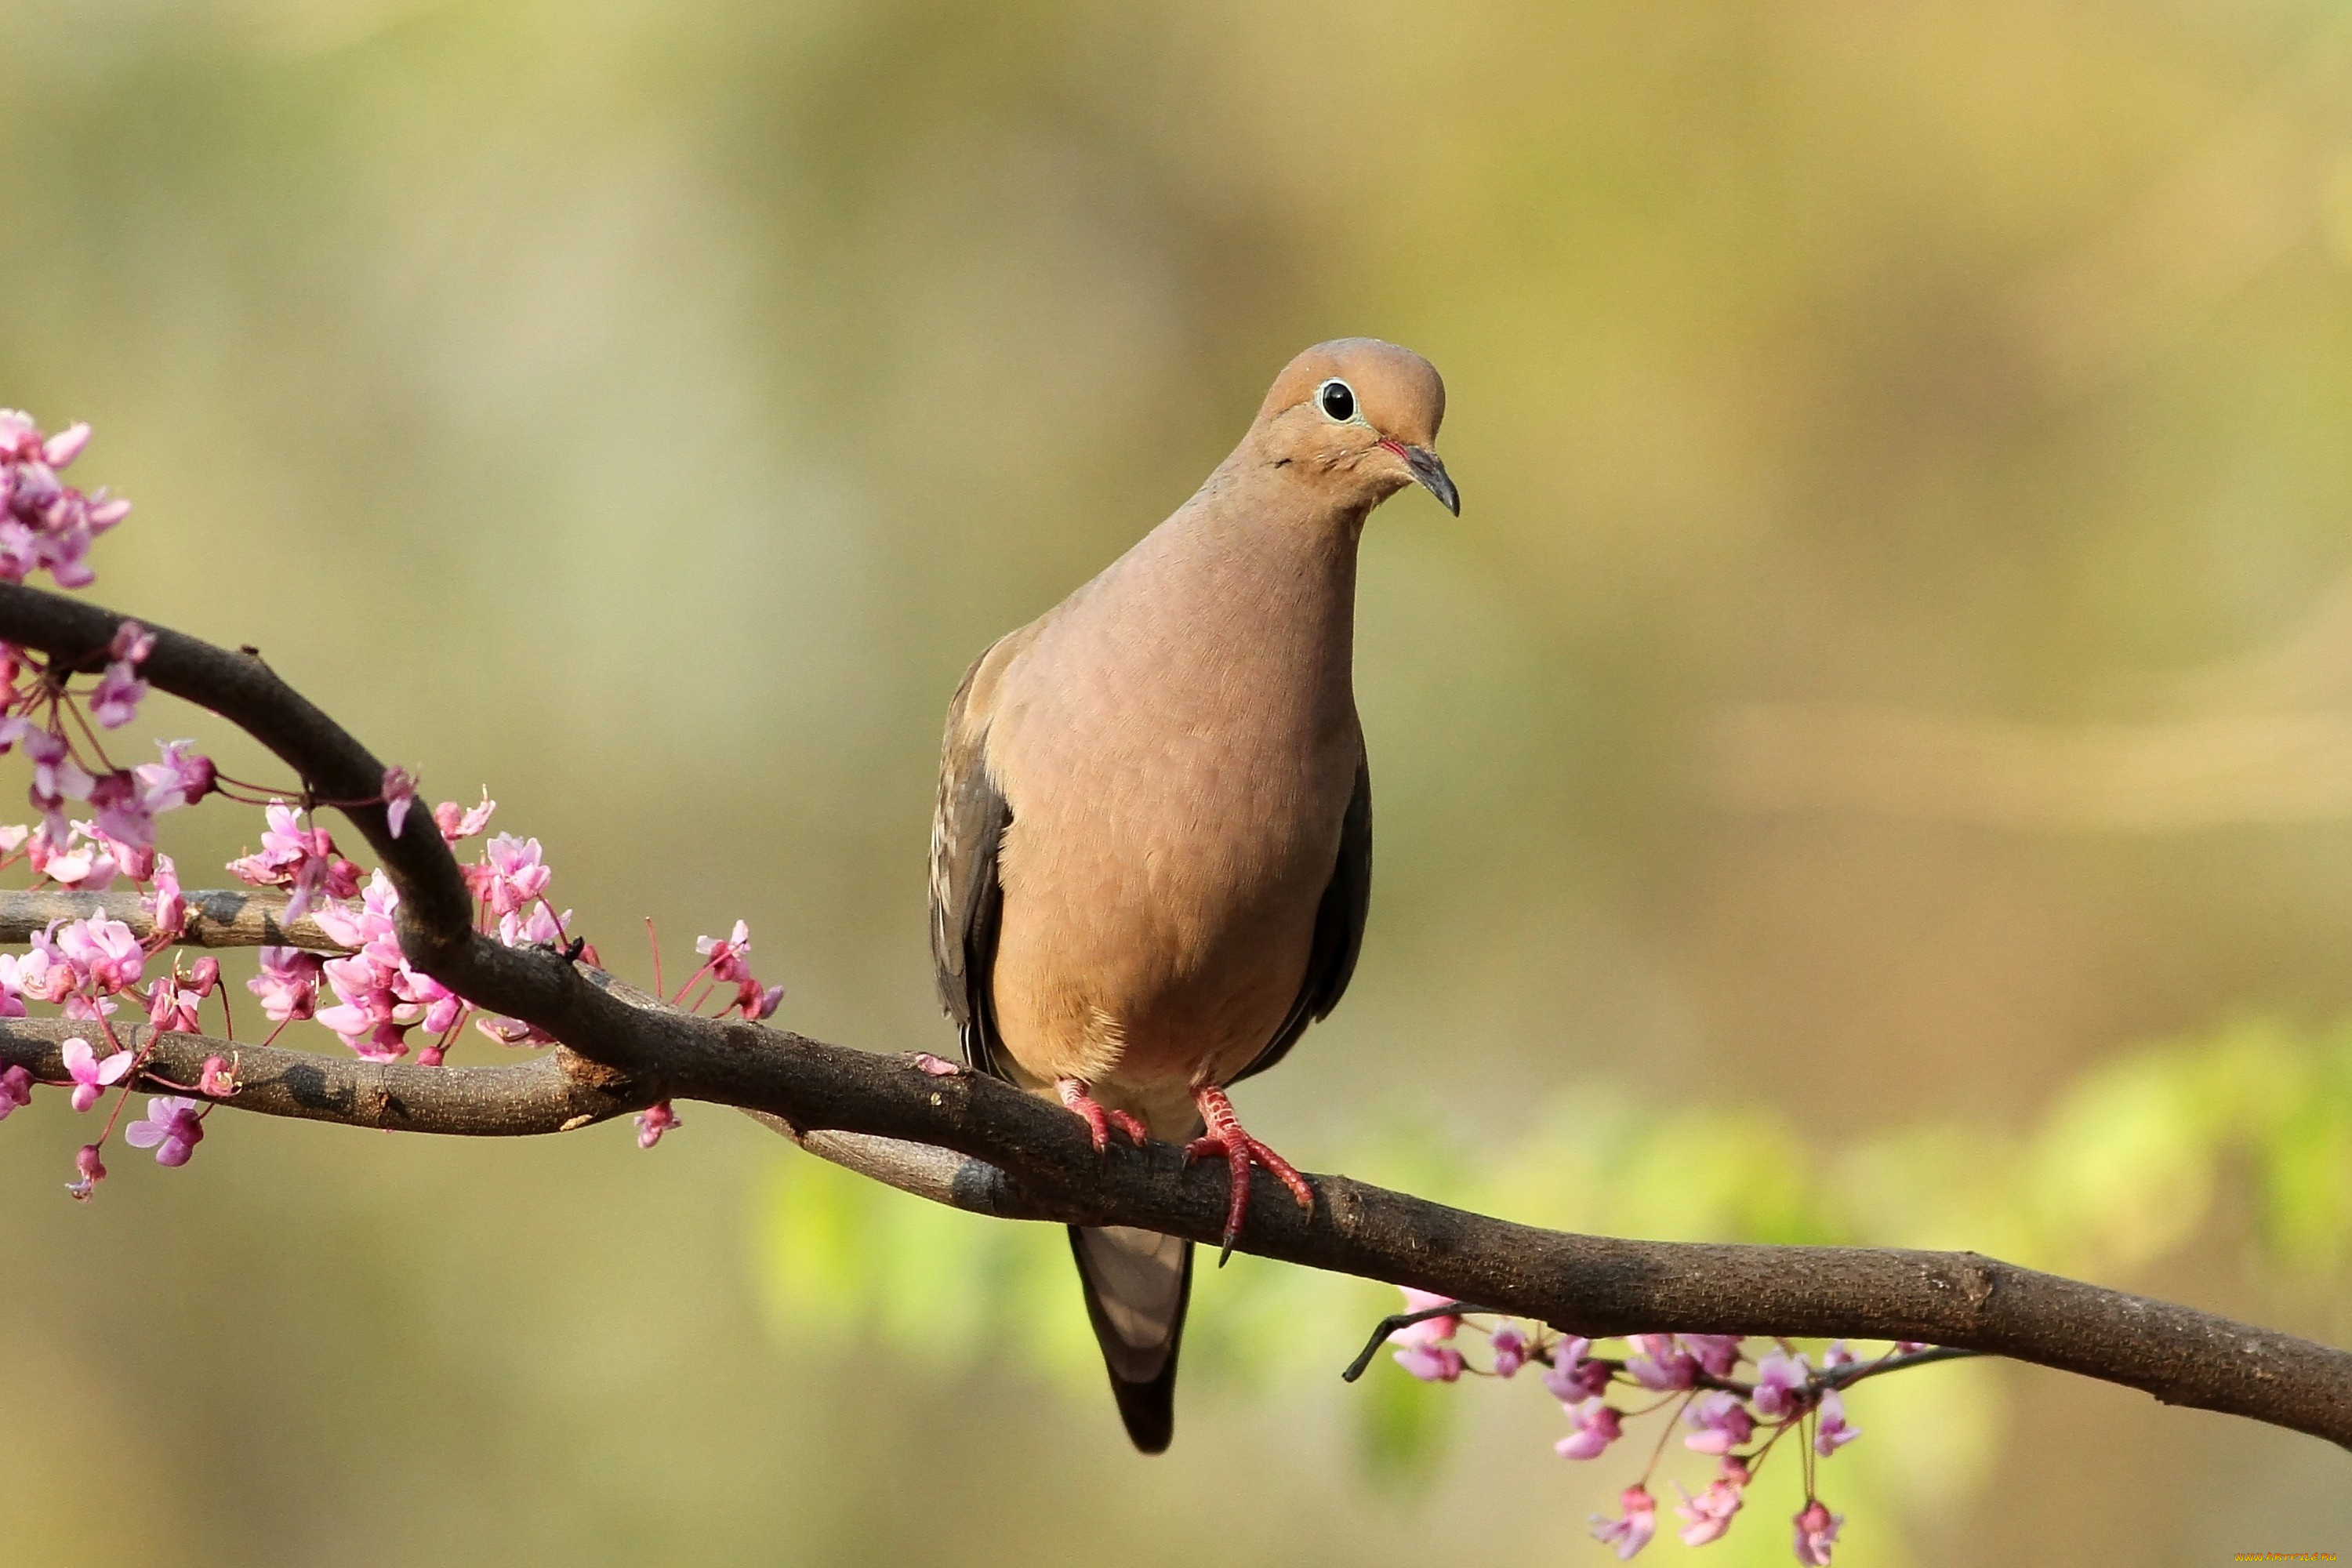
[[1357, 418]]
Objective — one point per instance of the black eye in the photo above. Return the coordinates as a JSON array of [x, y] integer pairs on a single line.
[[1338, 399]]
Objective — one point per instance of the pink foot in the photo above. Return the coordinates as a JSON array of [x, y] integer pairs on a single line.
[[1099, 1122], [1241, 1151]]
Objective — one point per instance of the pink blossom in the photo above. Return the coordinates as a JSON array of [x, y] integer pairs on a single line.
[[171, 1005], [1631, 1533], [1571, 1378], [303, 859], [511, 873], [1510, 1350], [1709, 1515], [89, 1170], [46, 524], [91, 1076], [287, 984], [653, 1121], [1717, 1353], [1780, 1380], [1661, 1364], [1597, 1426], [82, 864], [105, 957], [116, 700], [399, 794], [1723, 1423], [122, 809], [1431, 1363], [1837, 1354], [1428, 1332], [757, 1002], [1833, 1434], [133, 643], [539, 927], [60, 449], [15, 1090], [13, 837], [181, 778], [456, 822], [725, 963], [56, 779], [936, 1066], [165, 905], [1817, 1532], [217, 1079], [171, 1128], [513, 1032]]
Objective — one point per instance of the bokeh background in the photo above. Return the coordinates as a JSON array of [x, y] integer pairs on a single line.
[[1873, 759]]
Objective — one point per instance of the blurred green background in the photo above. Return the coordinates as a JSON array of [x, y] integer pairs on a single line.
[[1874, 759]]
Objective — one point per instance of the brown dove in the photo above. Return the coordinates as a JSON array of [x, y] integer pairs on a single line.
[[1153, 849]]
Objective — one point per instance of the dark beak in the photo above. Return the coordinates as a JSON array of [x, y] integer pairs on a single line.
[[1431, 473]]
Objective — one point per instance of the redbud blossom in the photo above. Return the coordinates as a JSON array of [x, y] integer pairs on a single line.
[[1597, 1426], [44, 524], [1631, 1533], [1833, 1434], [1723, 1423], [511, 874], [56, 779], [758, 1002], [1661, 1364], [724, 961], [91, 1076], [1571, 1377], [181, 778], [1717, 1353], [170, 1128], [303, 859], [1709, 1515], [116, 701], [1779, 1383], [90, 1170], [399, 794], [457, 822], [1510, 1348], [218, 1080], [15, 1090], [653, 1121], [1428, 1332], [287, 984], [164, 906], [1837, 1354], [1431, 1363], [1817, 1532]]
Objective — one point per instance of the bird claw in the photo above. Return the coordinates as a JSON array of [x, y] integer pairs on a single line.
[[1099, 1122], [1240, 1151]]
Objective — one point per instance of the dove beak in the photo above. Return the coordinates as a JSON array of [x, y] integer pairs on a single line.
[[1430, 472]]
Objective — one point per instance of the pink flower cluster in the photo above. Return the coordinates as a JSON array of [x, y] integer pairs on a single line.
[[369, 996], [46, 524], [298, 857], [1736, 1420]]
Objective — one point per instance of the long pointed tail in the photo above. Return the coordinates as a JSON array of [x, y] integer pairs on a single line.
[[1137, 1284]]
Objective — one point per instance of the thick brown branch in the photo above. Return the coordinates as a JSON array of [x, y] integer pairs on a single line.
[[232, 917], [553, 1093], [1023, 1155]]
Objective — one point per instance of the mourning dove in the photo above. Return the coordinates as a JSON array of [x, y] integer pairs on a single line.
[[1153, 849]]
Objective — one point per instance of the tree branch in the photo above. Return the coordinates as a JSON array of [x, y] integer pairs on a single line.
[[1019, 1155]]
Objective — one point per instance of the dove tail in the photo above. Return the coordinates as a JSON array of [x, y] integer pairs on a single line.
[[1137, 1284]]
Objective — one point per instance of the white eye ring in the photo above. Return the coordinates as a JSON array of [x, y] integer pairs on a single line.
[[1338, 401]]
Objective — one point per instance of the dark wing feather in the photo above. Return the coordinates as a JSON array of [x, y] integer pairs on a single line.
[[966, 900], [1339, 929]]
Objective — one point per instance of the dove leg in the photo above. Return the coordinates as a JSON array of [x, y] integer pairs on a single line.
[[1225, 1137], [1099, 1122]]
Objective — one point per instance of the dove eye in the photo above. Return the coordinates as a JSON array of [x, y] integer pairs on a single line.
[[1337, 398]]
